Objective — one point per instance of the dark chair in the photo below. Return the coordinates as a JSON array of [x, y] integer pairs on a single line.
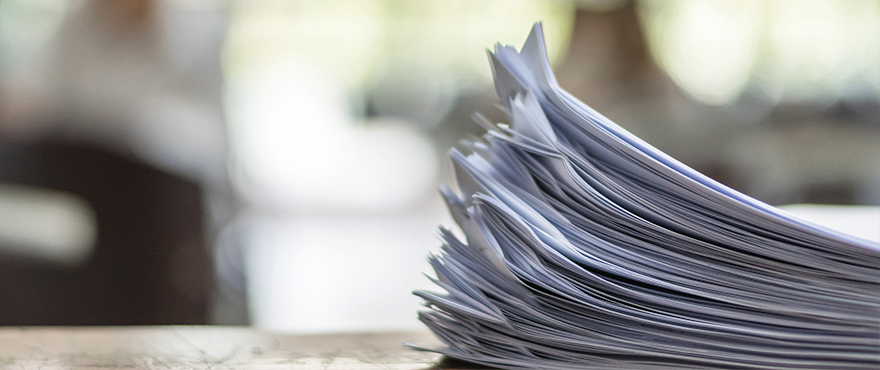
[[150, 264]]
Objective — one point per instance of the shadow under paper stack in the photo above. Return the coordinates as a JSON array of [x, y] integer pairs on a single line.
[[589, 249]]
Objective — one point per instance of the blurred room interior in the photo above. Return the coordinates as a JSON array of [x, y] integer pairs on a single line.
[[275, 162]]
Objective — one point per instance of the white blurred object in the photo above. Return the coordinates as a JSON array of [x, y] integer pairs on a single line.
[[860, 221], [341, 273], [339, 211], [298, 146], [48, 225]]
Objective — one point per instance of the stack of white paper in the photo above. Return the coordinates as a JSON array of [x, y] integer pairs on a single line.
[[589, 249]]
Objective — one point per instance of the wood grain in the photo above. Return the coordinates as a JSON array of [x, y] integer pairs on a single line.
[[212, 348]]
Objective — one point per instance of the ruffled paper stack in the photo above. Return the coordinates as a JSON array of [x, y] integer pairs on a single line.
[[586, 248]]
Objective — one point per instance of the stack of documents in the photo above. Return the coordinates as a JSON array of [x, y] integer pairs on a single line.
[[586, 248]]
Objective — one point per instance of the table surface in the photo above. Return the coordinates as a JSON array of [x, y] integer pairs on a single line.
[[211, 348]]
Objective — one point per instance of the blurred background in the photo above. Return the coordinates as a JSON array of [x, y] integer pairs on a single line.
[[275, 162]]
